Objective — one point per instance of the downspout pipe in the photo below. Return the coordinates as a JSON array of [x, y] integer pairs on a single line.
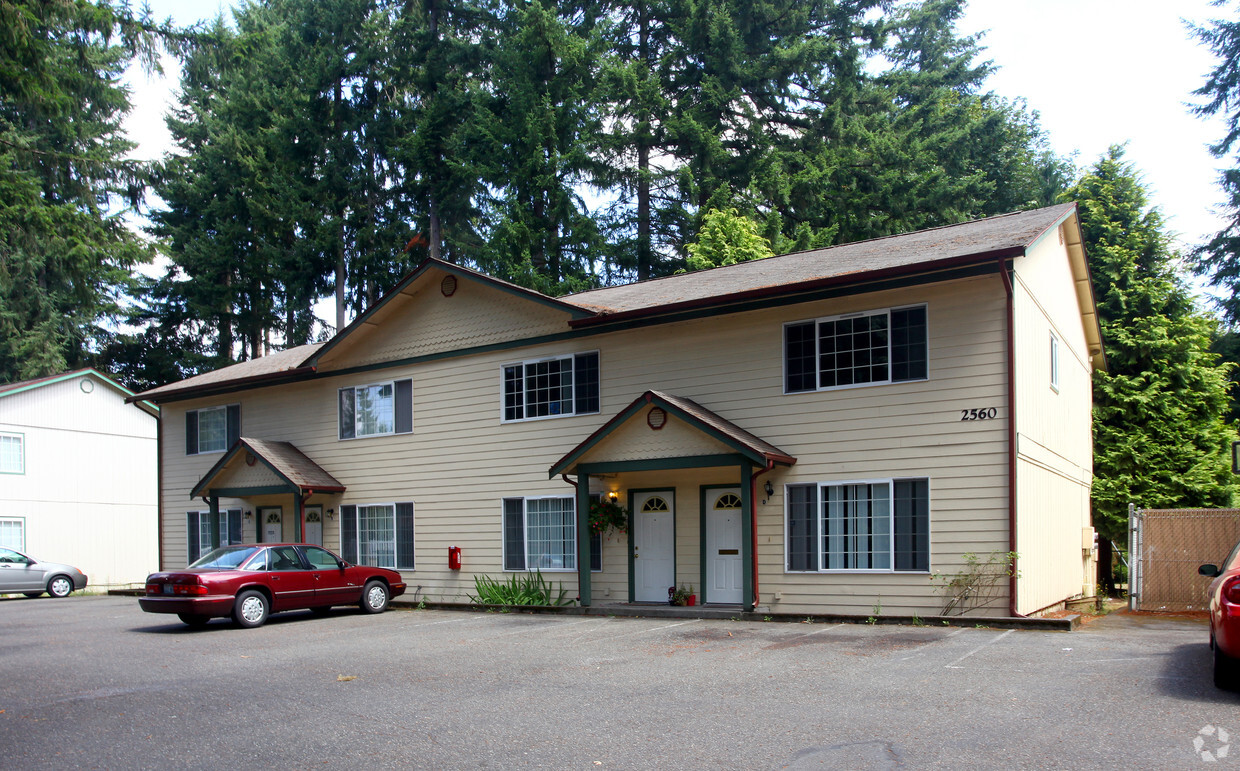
[[753, 524], [1011, 420]]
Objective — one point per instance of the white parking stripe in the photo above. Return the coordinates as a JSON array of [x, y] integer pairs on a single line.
[[991, 641]]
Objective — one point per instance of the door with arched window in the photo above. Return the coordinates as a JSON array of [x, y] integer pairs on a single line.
[[654, 545], [724, 562]]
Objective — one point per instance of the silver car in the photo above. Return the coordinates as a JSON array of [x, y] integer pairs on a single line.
[[19, 573]]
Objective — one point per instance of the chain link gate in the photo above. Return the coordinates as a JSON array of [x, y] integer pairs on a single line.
[[1166, 546]]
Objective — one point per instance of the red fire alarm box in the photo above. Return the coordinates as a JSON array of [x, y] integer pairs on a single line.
[[454, 558]]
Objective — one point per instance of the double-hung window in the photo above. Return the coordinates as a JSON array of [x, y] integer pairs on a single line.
[[551, 387], [204, 532], [378, 534], [541, 534], [376, 409], [876, 525], [12, 454], [13, 533], [870, 348], [212, 429]]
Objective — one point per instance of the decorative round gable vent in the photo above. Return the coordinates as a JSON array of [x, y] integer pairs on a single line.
[[656, 418], [448, 285]]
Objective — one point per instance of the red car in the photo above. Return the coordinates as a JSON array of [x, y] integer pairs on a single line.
[[1224, 594], [251, 581]]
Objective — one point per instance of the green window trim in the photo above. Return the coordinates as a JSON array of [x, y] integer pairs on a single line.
[[12, 453]]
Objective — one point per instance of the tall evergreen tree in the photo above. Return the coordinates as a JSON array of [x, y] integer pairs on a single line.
[[1160, 437], [65, 254]]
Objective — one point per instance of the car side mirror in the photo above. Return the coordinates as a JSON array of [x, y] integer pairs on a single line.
[[1209, 571], [342, 564]]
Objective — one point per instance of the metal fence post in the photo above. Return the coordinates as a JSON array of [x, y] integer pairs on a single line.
[[1134, 557]]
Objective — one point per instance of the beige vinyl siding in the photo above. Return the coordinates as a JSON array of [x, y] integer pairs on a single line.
[[429, 323], [1054, 443], [461, 461]]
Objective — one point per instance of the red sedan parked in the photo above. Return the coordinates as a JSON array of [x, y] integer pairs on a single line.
[[251, 581], [1224, 594]]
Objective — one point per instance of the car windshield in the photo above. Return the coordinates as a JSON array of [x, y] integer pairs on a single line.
[[225, 557]]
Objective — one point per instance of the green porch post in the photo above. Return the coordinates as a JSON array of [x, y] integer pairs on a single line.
[[583, 537], [298, 536], [214, 522], [747, 555]]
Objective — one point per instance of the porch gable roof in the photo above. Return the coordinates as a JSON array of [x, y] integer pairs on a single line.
[[291, 467], [718, 428]]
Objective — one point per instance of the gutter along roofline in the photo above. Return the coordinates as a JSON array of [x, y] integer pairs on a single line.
[[772, 292]]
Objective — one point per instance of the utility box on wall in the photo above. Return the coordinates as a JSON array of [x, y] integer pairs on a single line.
[[454, 558]]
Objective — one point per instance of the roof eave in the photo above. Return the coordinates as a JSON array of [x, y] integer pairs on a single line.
[[799, 287], [224, 386]]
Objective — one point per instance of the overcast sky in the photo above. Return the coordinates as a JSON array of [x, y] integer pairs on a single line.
[[1099, 72]]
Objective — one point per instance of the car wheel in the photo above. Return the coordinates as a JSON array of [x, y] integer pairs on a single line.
[[193, 619], [32, 595], [374, 597], [1226, 670], [250, 610], [59, 586]]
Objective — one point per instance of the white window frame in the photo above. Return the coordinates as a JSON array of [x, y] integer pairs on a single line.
[[20, 439], [391, 507], [525, 533], [820, 517], [570, 357], [357, 434], [1054, 363], [20, 523], [224, 514], [852, 315]]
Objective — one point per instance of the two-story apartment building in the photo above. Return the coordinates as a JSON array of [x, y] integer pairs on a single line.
[[818, 432]]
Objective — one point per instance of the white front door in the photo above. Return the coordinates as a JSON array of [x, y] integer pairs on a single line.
[[314, 525], [273, 524], [654, 546], [724, 565]]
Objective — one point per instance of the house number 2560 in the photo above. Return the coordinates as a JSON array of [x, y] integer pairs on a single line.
[[985, 413]]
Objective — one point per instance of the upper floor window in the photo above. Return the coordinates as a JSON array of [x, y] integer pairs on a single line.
[[887, 346], [12, 454], [542, 388], [212, 429], [376, 409]]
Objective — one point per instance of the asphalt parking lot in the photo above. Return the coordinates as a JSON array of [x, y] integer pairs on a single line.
[[92, 682]]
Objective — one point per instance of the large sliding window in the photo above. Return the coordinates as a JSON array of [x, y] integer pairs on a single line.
[[873, 525], [541, 534], [204, 533], [856, 349], [376, 409], [212, 429], [552, 387], [378, 534]]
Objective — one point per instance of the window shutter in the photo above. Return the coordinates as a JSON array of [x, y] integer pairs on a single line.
[[348, 533], [404, 406], [348, 424], [912, 524], [191, 432], [800, 358], [586, 383], [909, 358], [802, 528], [191, 535], [234, 425], [234, 526], [404, 536], [514, 534]]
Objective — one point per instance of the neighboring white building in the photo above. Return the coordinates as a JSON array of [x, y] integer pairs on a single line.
[[79, 475]]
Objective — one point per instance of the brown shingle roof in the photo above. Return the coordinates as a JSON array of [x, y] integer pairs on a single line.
[[1004, 235], [271, 366], [293, 465]]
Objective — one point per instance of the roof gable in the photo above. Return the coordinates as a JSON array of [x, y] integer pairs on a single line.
[[442, 308], [12, 389]]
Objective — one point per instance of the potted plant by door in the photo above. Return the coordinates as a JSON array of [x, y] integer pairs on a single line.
[[681, 596]]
